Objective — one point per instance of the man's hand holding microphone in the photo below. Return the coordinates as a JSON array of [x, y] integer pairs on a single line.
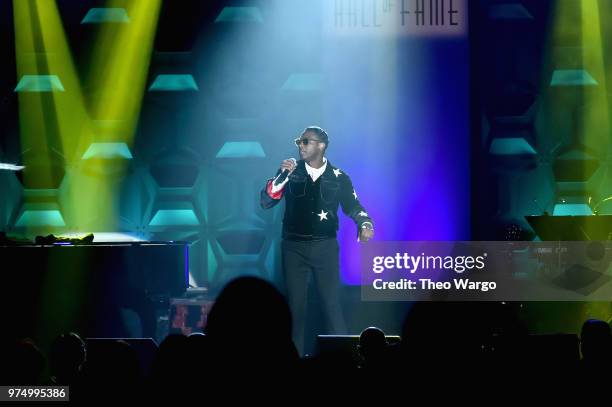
[[287, 167]]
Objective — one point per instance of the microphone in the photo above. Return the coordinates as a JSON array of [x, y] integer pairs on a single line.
[[283, 175], [11, 167]]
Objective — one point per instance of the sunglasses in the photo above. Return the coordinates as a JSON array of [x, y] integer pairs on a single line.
[[305, 141]]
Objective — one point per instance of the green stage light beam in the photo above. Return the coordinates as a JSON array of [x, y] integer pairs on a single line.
[[121, 62]]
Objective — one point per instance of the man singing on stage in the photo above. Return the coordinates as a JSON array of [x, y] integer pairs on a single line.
[[313, 189]]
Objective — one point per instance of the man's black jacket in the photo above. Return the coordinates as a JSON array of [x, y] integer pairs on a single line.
[[311, 207]]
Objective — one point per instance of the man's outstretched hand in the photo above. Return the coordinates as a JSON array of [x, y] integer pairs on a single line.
[[365, 234]]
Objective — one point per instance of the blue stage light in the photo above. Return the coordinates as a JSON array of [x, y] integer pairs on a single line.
[[511, 146], [40, 218], [106, 15], [572, 77], [241, 149], [39, 83], [173, 83], [108, 151], [175, 217], [239, 15]]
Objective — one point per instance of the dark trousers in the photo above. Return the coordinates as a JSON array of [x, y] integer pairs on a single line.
[[301, 259]]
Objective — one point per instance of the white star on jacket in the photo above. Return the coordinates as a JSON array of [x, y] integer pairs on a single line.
[[354, 194], [337, 172], [322, 215], [362, 213]]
